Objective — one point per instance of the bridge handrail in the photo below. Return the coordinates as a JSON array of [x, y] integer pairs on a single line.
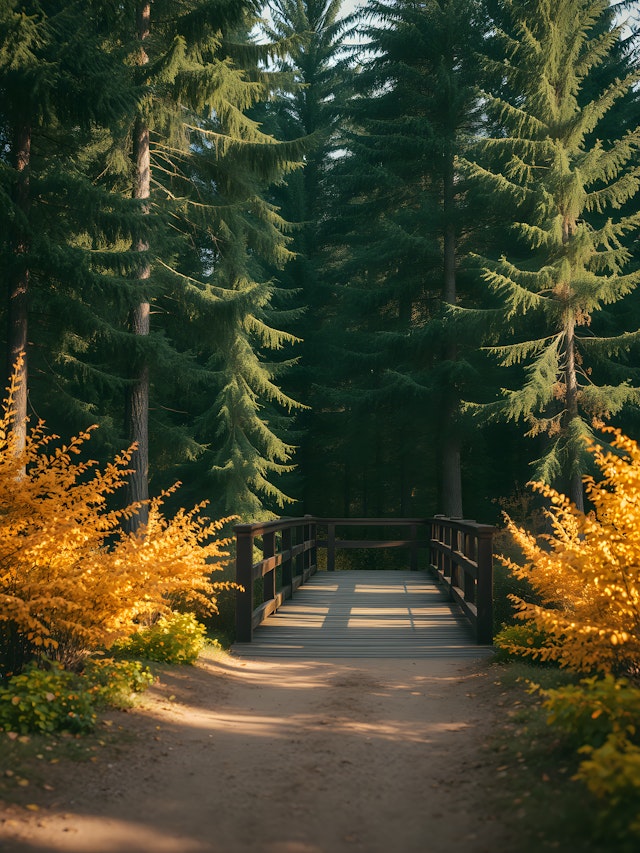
[[298, 561], [460, 556]]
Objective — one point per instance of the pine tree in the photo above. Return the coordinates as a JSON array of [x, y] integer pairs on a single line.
[[212, 165], [565, 183], [56, 85], [316, 36], [137, 398], [400, 236]]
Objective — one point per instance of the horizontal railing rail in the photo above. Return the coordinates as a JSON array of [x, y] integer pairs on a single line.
[[460, 557], [332, 544]]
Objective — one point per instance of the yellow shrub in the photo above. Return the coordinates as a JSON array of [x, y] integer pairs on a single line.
[[587, 572], [70, 579]]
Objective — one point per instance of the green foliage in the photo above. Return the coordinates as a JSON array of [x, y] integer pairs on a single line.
[[594, 708], [53, 699], [177, 638], [513, 637], [612, 774], [602, 715], [113, 681], [46, 700]]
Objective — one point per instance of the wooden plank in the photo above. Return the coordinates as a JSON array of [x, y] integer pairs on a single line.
[[374, 543], [363, 614]]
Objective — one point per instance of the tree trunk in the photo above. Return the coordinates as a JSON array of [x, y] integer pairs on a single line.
[[18, 289], [576, 489], [451, 466], [137, 403]]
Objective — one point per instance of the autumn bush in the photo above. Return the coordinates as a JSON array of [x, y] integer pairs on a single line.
[[71, 580], [586, 572], [585, 576]]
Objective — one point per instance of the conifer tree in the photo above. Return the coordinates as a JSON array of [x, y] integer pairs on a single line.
[[566, 183], [211, 165], [130, 219], [316, 36], [402, 235], [56, 84], [137, 399]]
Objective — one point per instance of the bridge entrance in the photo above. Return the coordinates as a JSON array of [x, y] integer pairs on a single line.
[[441, 606]]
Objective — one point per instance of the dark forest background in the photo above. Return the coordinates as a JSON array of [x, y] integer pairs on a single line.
[[376, 264]]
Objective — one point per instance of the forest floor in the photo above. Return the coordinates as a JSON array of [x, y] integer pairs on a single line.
[[236, 755]]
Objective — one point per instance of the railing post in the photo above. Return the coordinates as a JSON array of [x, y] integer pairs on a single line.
[[305, 538], [435, 557], [414, 547], [313, 551], [299, 564], [484, 592], [269, 580], [244, 577], [287, 573], [331, 547]]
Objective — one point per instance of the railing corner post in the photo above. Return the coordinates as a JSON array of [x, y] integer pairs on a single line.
[[484, 592], [244, 577], [331, 547], [414, 547]]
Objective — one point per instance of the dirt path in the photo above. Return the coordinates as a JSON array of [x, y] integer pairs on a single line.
[[276, 756]]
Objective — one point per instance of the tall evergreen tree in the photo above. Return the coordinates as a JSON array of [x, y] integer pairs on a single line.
[[211, 165], [403, 227], [565, 182], [56, 84], [137, 398], [146, 154], [317, 38]]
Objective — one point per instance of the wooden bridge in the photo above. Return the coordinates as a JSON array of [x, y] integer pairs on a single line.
[[441, 606]]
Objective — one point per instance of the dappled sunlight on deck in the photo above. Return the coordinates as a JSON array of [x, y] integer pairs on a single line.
[[363, 614]]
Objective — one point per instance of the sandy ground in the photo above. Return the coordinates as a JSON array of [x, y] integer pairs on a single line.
[[277, 756]]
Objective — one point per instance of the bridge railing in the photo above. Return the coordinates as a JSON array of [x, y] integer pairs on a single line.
[[462, 559], [289, 543], [412, 541], [460, 556]]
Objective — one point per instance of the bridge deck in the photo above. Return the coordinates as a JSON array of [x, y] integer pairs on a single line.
[[365, 614]]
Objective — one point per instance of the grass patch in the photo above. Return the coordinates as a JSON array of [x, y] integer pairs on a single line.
[[27, 762], [534, 764]]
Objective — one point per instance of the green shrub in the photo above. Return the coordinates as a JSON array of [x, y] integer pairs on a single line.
[[594, 708], [178, 638], [112, 682], [41, 700], [519, 641], [602, 715], [612, 773]]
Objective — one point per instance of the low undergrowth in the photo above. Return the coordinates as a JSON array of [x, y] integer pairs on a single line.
[[543, 790], [579, 615]]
